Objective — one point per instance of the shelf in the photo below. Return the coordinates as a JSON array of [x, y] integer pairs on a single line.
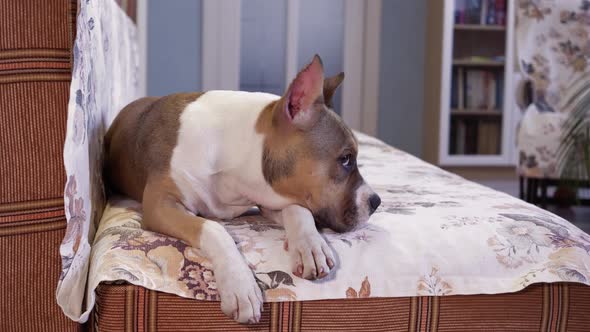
[[478, 63], [493, 112], [480, 27], [459, 160]]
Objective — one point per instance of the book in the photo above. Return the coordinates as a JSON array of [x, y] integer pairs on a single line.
[[500, 9], [488, 137], [454, 89], [495, 136], [490, 90], [474, 85], [482, 137], [473, 12], [459, 11], [453, 137], [481, 59], [483, 12], [460, 88], [481, 89], [471, 88], [472, 140], [491, 14], [460, 137]]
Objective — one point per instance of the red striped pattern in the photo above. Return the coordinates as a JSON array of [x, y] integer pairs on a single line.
[[554, 307], [51, 213], [30, 66], [30, 266], [32, 132], [35, 24], [426, 313], [35, 42]]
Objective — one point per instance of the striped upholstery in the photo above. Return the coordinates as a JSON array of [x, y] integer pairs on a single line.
[[34, 88], [36, 38], [35, 58], [540, 307]]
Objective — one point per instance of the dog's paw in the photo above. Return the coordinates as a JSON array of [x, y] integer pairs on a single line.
[[241, 298], [311, 256]]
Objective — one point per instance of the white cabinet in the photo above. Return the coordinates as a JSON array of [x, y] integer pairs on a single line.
[[477, 112]]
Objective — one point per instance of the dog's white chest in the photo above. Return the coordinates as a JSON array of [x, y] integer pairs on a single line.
[[217, 161]]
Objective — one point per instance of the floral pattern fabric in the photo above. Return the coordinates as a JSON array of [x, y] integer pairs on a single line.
[[435, 233], [553, 43], [104, 79]]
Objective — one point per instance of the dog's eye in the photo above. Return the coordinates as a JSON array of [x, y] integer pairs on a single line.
[[346, 161]]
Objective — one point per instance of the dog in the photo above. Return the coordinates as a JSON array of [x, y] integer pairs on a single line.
[[193, 157]]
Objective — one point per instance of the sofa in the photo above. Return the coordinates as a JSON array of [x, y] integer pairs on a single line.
[[551, 42], [35, 71], [36, 47], [35, 74]]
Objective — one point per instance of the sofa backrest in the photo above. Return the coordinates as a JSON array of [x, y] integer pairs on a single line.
[[105, 78]]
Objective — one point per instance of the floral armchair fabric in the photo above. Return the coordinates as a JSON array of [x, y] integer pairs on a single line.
[[553, 48], [104, 79], [513, 244]]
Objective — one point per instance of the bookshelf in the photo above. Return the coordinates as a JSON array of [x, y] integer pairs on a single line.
[[475, 112], [476, 104], [478, 63], [479, 27]]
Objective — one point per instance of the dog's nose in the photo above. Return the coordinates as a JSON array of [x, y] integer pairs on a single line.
[[374, 202]]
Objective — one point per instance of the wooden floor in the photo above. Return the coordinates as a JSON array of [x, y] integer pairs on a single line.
[[579, 216]]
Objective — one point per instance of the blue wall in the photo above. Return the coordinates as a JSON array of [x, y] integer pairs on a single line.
[[174, 46], [401, 88], [174, 55], [321, 31], [263, 46]]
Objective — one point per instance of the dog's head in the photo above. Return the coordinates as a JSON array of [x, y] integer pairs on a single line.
[[310, 154]]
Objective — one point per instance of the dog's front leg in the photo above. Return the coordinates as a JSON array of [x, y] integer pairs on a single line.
[[241, 298], [311, 257]]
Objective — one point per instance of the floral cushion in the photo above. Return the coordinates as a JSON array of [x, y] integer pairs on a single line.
[[434, 234], [553, 42]]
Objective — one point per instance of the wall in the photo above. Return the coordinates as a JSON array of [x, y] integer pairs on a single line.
[[321, 31], [401, 88], [263, 24], [174, 46], [174, 57]]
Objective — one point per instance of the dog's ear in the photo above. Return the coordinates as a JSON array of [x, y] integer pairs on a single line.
[[330, 86], [303, 94]]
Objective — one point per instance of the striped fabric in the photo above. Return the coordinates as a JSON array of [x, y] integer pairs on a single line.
[[35, 65], [36, 38], [36, 24], [32, 132], [540, 307], [35, 57], [29, 268]]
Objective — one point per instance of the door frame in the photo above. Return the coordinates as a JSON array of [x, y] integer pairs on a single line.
[[362, 27], [220, 44], [142, 30]]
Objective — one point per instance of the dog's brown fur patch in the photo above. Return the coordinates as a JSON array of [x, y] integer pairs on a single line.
[[139, 146], [140, 141]]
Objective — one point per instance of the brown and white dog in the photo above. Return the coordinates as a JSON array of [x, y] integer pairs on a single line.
[[192, 156]]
